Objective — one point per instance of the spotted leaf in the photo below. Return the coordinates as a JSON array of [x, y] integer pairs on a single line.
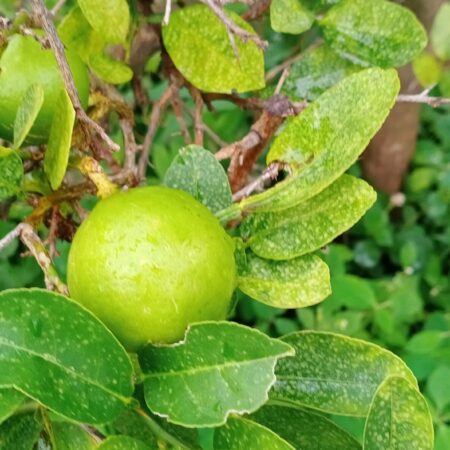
[[58, 353]]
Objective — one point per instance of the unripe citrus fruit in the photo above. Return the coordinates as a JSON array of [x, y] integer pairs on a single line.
[[23, 63], [150, 261]]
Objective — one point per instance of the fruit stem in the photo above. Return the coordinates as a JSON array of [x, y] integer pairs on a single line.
[[233, 212]]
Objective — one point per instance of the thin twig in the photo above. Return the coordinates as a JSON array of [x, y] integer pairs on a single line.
[[198, 122], [177, 107], [30, 238], [155, 117], [420, 98], [270, 173], [55, 10], [91, 128], [167, 12], [13, 234], [282, 79], [244, 35]]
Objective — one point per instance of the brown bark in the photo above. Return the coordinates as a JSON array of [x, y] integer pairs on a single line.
[[387, 157]]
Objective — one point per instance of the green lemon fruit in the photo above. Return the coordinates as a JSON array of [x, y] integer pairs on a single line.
[[150, 261], [23, 63]]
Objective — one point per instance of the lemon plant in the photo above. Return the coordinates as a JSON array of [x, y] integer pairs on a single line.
[[139, 350]]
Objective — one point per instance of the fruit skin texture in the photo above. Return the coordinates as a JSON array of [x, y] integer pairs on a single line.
[[150, 261], [24, 62]]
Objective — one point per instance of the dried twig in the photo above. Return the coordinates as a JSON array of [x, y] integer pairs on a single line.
[[270, 173], [177, 107], [155, 117], [13, 234], [198, 122], [29, 237], [91, 128], [232, 27]]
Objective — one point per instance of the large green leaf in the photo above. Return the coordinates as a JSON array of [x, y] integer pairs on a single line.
[[57, 153], [58, 353], [27, 112], [70, 436], [243, 434], [123, 443], [398, 419], [333, 373], [326, 139], [109, 18], [310, 225], [198, 43], [290, 16], [297, 283], [11, 173], [304, 429], [220, 367], [10, 399], [440, 32], [318, 69], [20, 432], [374, 32], [196, 170]]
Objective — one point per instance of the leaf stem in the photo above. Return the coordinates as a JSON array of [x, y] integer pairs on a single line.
[[156, 429]]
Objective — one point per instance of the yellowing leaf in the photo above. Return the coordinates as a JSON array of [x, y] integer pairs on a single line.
[[399, 418], [109, 18], [296, 283], [59, 141], [198, 43], [26, 114], [326, 139], [290, 16], [374, 32], [311, 224], [440, 32]]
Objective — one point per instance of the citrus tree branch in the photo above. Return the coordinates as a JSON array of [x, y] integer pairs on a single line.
[[91, 128]]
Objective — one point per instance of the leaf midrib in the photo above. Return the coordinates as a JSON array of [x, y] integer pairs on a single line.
[[75, 374]]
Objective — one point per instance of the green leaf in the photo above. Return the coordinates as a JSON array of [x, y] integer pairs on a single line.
[[243, 434], [123, 443], [198, 43], [109, 69], [220, 367], [59, 142], [10, 399], [398, 418], [20, 432], [425, 341], [437, 387], [132, 424], [374, 32], [318, 69], [109, 18], [333, 373], [304, 429], [196, 170], [297, 283], [11, 173], [58, 353], [290, 16], [352, 292], [69, 436], [311, 224], [27, 112], [440, 32], [427, 69], [321, 143]]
